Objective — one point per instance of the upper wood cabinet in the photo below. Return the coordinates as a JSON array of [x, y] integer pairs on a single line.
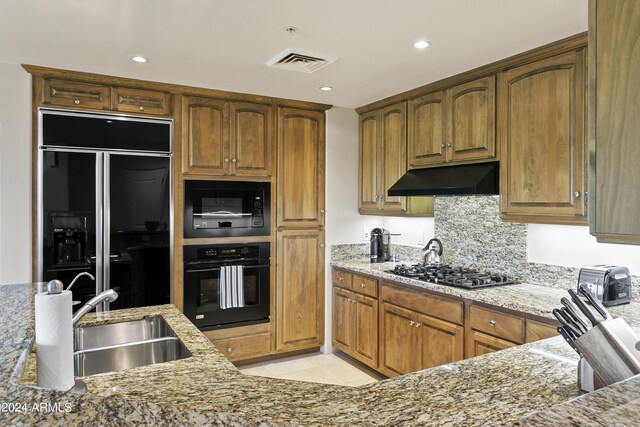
[[394, 155], [130, 100], [614, 125], [454, 125], [370, 161], [91, 96], [227, 138], [65, 93], [299, 289], [301, 168], [541, 112]]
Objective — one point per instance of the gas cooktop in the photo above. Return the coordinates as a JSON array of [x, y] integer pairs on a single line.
[[453, 276]]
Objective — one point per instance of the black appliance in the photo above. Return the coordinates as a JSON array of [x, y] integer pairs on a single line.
[[102, 178], [204, 288], [478, 178], [227, 209], [453, 276], [380, 245]]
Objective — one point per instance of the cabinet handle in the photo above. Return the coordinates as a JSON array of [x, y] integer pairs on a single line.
[[353, 301], [411, 323], [322, 245], [418, 325], [576, 194], [441, 145], [362, 285], [141, 108], [234, 160], [449, 145], [76, 101], [229, 349], [339, 279], [492, 322], [322, 211], [226, 159]]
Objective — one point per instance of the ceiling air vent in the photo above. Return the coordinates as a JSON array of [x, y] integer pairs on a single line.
[[298, 60]]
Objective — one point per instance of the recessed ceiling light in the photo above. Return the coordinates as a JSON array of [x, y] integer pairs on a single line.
[[140, 59], [326, 88], [421, 44]]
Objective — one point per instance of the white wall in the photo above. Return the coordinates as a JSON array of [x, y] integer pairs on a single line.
[[15, 175], [573, 246]]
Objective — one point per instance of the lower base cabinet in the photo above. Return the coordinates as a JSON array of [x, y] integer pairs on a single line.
[[479, 344], [355, 320]]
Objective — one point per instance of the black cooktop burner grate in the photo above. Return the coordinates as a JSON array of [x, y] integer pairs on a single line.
[[453, 276]]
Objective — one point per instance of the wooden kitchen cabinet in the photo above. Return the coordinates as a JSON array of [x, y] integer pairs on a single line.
[[67, 93], [614, 100], [383, 161], [541, 110], [535, 331], [223, 138], [440, 342], [301, 168], [491, 330], [479, 344], [299, 289], [142, 101], [355, 325], [453, 125]]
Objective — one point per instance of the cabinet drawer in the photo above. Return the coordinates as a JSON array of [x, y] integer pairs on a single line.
[[247, 347], [341, 278], [76, 94], [424, 302], [365, 285], [131, 100], [498, 324]]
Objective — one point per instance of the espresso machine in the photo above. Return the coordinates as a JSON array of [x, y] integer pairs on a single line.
[[380, 245], [69, 240]]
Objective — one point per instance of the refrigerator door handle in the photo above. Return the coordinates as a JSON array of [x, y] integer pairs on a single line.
[[99, 226], [106, 206]]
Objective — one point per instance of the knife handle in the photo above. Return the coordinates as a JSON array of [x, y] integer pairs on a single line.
[[573, 332], [572, 312], [583, 307], [599, 307], [564, 334]]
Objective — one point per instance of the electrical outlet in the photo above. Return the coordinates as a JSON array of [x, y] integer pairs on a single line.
[[366, 236], [420, 237]]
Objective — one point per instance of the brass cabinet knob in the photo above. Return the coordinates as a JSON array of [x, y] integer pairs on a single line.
[[226, 159], [76, 101], [441, 145], [449, 145], [492, 322], [411, 323], [141, 108], [229, 349], [321, 210], [234, 160], [339, 279], [362, 285], [576, 194], [418, 325], [322, 245]]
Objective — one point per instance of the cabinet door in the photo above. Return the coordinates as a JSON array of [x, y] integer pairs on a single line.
[[541, 133], [479, 344], [394, 154], [399, 341], [130, 100], [427, 130], [343, 319], [370, 167], [471, 122], [252, 144], [299, 289], [66, 93], [440, 342], [614, 100], [300, 168], [365, 343], [205, 136]]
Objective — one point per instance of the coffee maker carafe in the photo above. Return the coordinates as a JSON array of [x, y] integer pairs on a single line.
[[380, 245]]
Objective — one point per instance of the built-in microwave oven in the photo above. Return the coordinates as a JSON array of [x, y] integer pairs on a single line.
[[227, 208]]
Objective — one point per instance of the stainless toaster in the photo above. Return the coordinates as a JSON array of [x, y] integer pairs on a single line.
[[610, 284]]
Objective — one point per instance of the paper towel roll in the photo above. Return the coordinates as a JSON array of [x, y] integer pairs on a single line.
[[54, 341]]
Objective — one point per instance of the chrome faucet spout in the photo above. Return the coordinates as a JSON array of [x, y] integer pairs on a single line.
[[108, 296], [84, 273]]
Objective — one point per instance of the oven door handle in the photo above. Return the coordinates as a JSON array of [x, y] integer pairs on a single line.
[[203, 270]]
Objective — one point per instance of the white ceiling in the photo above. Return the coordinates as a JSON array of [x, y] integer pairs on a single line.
[[223, 44]]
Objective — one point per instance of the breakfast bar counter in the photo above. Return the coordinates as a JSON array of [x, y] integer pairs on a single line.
[[204, 389]]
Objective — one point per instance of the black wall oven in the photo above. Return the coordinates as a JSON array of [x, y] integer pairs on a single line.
[[226, 285], [227, 209]]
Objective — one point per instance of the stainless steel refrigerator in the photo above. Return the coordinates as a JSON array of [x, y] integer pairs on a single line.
[[105, 192]]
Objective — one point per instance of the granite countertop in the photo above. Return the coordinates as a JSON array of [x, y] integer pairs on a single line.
[[206, 388], [524, 297]]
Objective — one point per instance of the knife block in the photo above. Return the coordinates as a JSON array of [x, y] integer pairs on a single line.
[[588, 380], [609, 347]]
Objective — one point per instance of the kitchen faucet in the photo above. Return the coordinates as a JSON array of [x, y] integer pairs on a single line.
[[84, 273], [109, 296]]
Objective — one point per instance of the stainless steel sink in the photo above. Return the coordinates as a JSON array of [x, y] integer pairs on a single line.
[[121, 333], [126, 356], [117, 346]]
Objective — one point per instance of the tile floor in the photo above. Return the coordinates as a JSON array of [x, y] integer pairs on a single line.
[[333, 368]]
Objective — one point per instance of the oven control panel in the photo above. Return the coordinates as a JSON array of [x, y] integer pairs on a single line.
[[226, 252]]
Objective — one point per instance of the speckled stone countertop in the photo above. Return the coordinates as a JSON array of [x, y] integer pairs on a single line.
[[523, 297], [206, 389]]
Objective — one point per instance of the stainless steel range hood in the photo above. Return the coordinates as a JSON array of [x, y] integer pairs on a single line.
[[479, 178]]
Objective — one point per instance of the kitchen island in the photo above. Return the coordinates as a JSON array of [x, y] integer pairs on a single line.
[[204, 389]]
